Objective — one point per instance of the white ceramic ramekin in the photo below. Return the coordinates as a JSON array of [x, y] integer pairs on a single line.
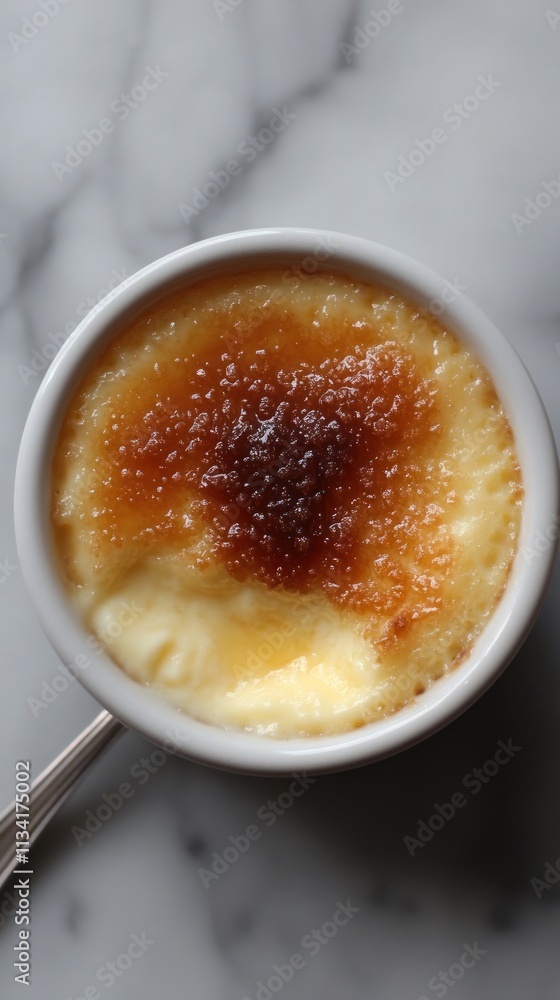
[[138, 707]]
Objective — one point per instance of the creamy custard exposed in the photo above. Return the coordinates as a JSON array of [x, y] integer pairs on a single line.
[[287, 504]]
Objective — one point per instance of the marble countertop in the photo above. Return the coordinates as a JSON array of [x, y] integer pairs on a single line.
[[114, 118]]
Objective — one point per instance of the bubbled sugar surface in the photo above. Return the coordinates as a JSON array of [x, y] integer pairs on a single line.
[[261, 444]]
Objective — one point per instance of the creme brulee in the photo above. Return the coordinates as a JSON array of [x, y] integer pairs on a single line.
[[287, 504]]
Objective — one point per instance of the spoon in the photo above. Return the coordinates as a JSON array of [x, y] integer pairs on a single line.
[[52, 788]]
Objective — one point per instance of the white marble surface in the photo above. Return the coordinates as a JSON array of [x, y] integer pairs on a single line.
[[64, 238]]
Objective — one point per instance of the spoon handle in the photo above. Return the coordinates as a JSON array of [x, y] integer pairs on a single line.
[[52, 787]]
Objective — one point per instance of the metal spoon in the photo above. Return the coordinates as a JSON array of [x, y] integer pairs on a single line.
[[53, 786]]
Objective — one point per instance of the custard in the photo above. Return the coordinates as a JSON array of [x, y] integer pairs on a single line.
[[308, 489]]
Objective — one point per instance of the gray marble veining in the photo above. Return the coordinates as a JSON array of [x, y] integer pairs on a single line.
[[71, 223]]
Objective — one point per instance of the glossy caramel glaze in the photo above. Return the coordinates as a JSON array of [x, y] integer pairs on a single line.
[[308, 486], [300, 454]]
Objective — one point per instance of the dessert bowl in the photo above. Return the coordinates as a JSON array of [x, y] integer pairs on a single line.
[[139, 707]]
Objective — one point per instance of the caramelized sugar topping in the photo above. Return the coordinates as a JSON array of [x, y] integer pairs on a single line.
[[292, 448], [308, 488]]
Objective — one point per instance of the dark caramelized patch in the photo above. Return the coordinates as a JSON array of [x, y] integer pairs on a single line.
[[299, 449]]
